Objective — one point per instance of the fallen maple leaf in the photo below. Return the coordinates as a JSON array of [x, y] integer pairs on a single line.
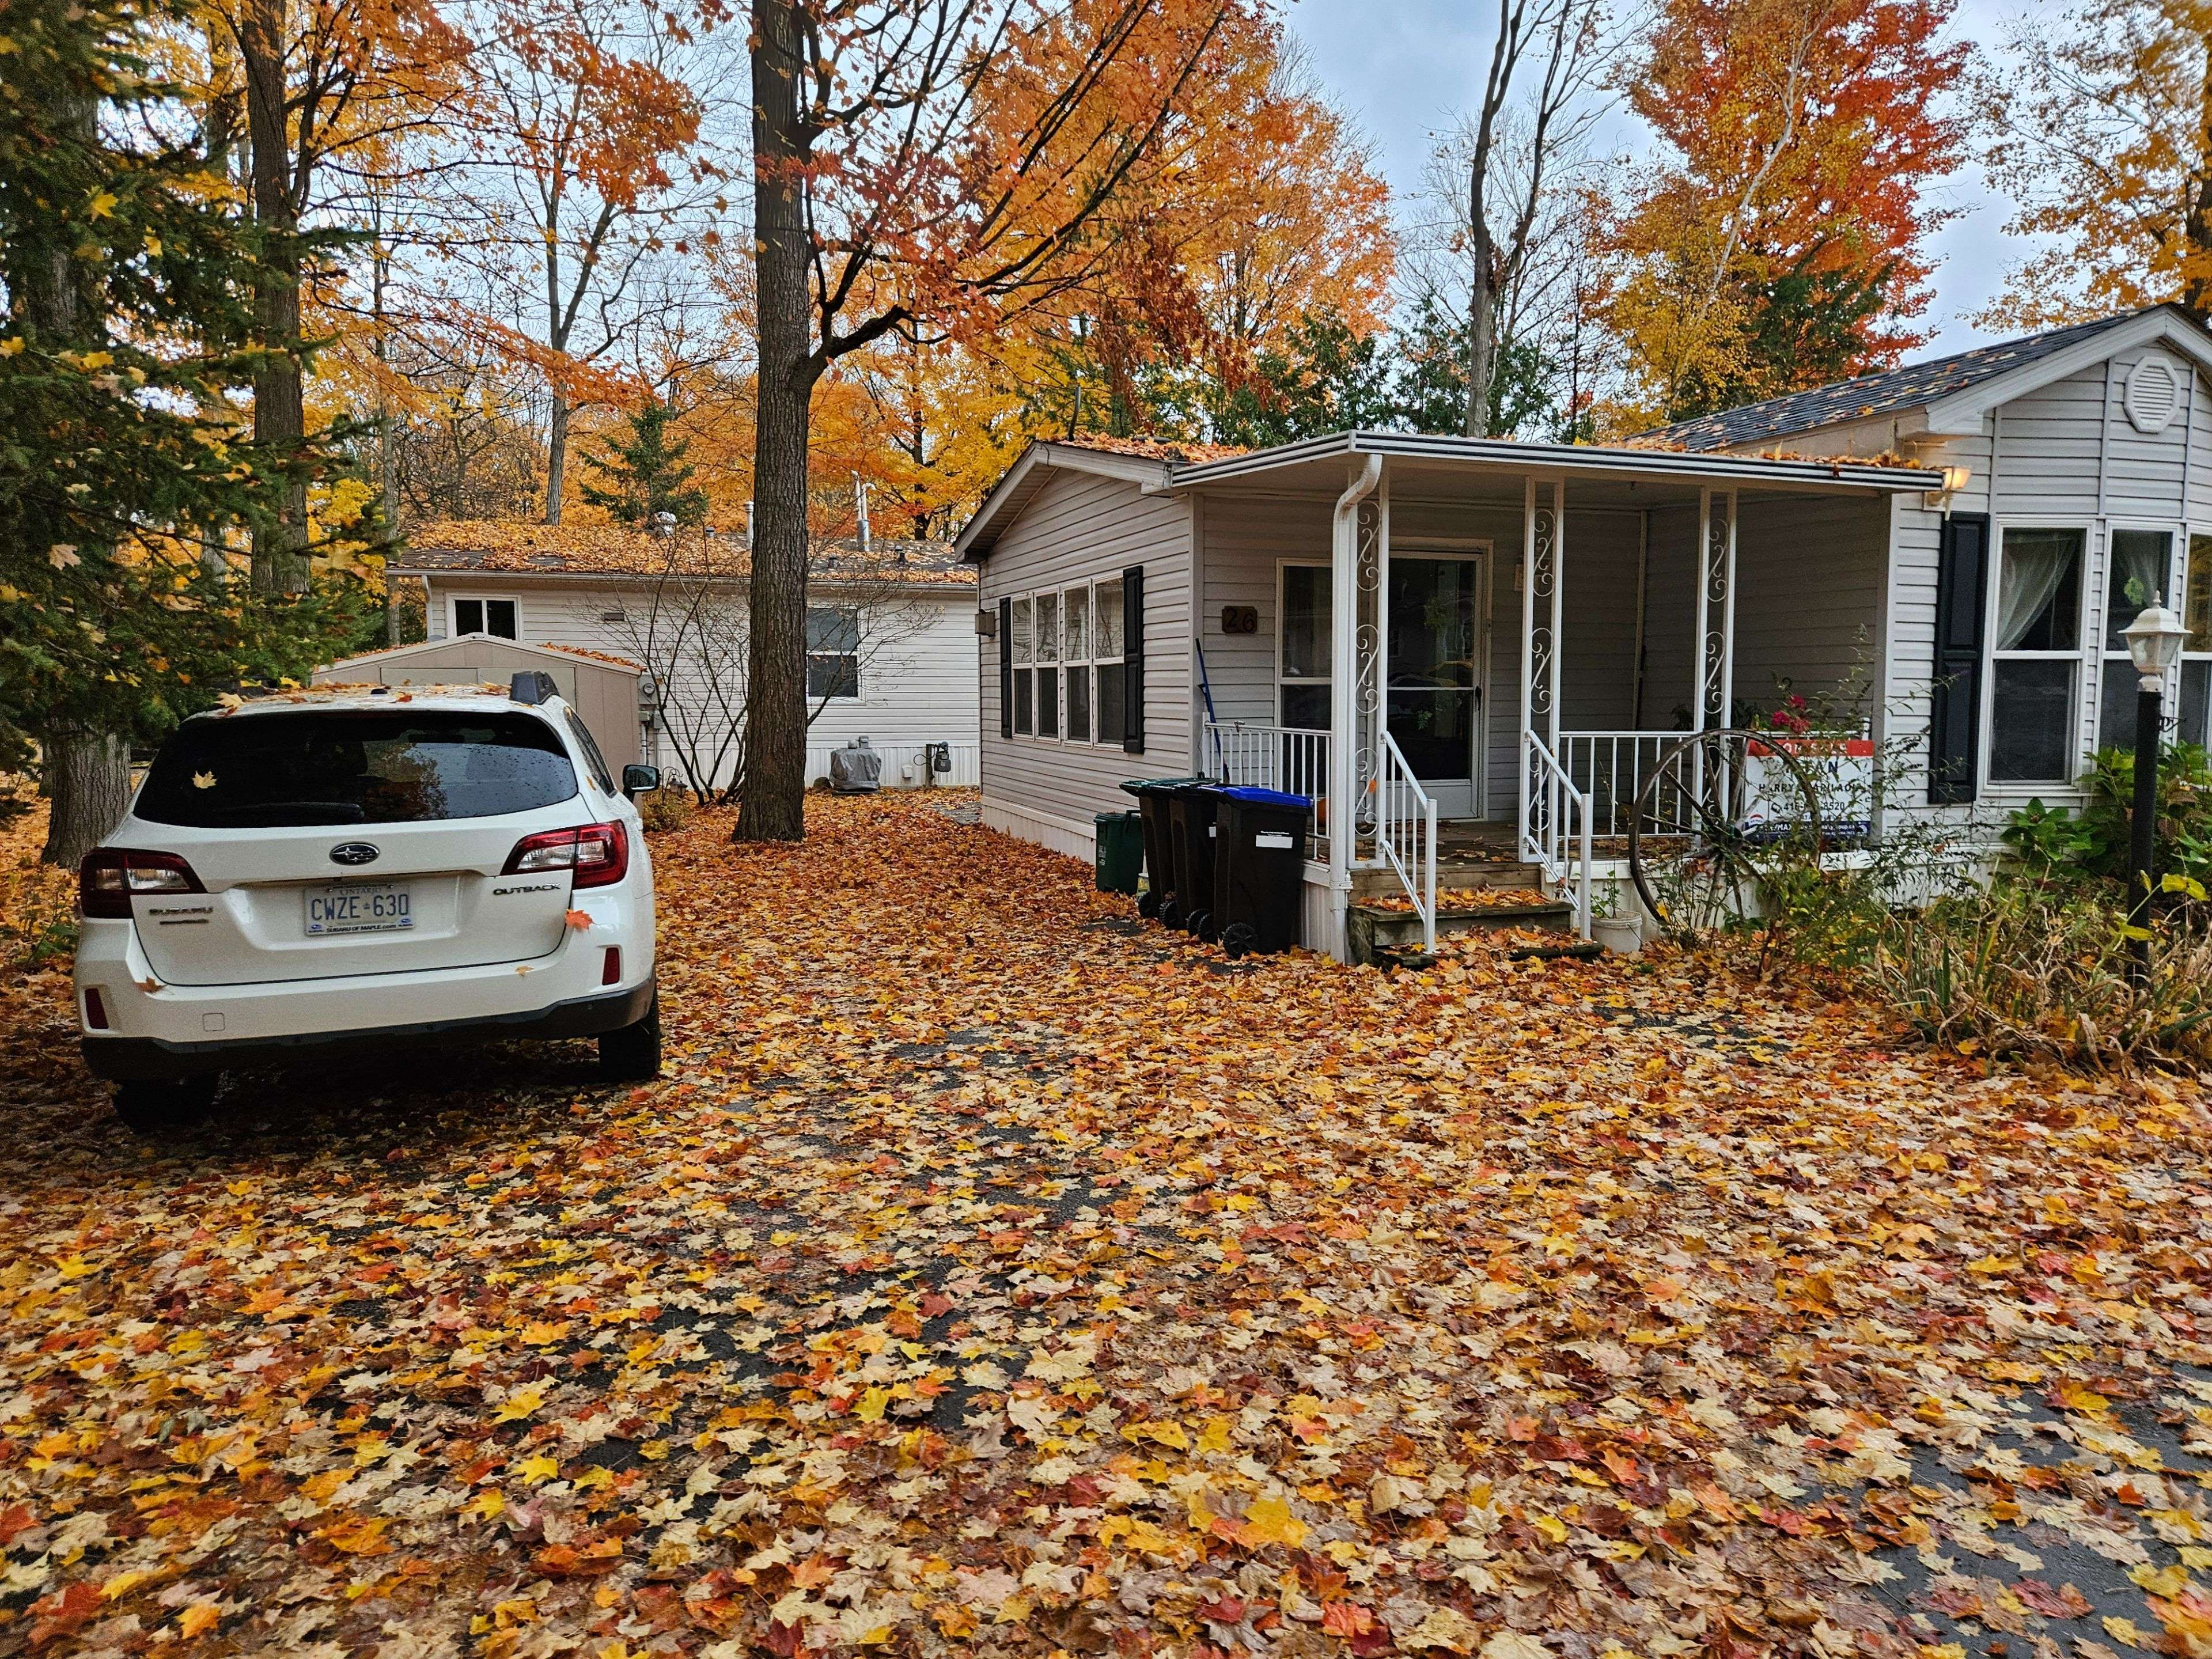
[[198, 1618]]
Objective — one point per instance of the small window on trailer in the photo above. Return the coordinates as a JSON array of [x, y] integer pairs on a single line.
[[833, 652], [500, 618]]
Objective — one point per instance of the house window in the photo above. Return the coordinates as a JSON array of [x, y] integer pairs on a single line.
[[2037, 661], [833, 652], [1047, 656], [1106, 652], [1075, 653], [497, 617], [1304, 647], [2138, 571], [1069, 668], [1024, 673], [2197, 649]]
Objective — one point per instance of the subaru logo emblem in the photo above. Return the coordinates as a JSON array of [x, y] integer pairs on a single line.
[[353, 851]]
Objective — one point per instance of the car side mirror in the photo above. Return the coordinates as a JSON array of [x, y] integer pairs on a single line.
[[640, 780]]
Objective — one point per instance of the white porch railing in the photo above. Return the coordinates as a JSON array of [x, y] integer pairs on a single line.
[[1556, 824], [1609, 768], [1406, 834], [1251, 755]]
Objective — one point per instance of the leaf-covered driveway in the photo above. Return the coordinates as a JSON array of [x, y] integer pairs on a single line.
[[992, 1275]]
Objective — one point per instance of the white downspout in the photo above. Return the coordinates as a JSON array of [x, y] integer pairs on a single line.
[[1344, 688]]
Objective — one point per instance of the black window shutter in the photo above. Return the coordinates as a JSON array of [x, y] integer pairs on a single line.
[[1133, 653], [1005, 668], [1962, 596]]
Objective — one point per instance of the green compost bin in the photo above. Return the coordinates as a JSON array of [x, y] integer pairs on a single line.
[[1120, 853]]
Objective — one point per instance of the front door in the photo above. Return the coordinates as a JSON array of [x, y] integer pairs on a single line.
[[1434, 680]]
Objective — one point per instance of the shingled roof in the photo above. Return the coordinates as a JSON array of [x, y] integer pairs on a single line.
[[1872, 395], [569, 549]]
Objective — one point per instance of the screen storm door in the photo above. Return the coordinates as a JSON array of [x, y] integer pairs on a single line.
[[1434, 679]]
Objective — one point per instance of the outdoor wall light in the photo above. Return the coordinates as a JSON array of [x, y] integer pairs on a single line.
[[2154, 640]]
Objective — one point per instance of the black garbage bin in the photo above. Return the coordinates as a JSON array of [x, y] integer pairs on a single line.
[[1260, 902], [1152, 796], [1192, 810]]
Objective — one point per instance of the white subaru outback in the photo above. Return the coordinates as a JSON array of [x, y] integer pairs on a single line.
[[300, 880]]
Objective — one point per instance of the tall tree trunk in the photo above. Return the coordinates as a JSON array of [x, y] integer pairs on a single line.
[[772, 805], [387, 437], [87, 775], [2197, 278], [1482, 335], [279, 407], [556, 459]]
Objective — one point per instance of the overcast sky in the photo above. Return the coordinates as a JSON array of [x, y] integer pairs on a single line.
[[1404, 68]]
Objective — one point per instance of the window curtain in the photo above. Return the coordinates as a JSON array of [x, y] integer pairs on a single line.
[[2140, 577], [2033, 567]]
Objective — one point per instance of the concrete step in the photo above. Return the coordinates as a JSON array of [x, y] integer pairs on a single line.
[[1374, 926]]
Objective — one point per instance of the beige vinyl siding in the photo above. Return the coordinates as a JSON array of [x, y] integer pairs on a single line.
[[2143, 470], [2051, 445], [917, 686], [1808, 602], [1081, 527], [1906, 706], [2200, 451], [1246, 541], [1670, 620]]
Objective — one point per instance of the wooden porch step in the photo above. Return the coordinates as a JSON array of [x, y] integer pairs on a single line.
[[1485, 874], [1374, 926]]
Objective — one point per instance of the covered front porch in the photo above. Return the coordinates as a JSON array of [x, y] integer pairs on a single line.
[[1490, 645]]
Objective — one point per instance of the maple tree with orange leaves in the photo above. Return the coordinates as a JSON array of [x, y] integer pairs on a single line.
[[1782, 243], [2102, 136]]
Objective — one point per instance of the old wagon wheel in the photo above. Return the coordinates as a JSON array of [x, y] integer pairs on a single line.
[[1725, 819]]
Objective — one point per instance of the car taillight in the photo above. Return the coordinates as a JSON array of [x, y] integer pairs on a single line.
[[111, 876], [598, 853]]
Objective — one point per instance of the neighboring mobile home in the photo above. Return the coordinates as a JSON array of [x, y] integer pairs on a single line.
[[1515, 631], [889, 632]]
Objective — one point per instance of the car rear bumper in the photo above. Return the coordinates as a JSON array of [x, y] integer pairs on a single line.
[[124, 1059]]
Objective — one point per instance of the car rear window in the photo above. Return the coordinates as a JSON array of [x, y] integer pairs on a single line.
[[332, 766]]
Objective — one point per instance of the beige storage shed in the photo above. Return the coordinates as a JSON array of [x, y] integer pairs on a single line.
[[603, 690]]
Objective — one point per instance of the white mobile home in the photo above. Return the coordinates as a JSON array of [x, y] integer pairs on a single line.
[[1513, 632], [889, 633], [1508, 631]]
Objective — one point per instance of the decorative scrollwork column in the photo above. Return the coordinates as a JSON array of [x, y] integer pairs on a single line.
[[1368, 653], [1540, 619], [1717, 613]]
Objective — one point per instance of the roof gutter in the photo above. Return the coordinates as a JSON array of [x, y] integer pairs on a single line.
[[501, 573], [1584, 460]]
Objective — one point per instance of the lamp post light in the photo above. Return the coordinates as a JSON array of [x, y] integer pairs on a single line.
[[2154, 640]]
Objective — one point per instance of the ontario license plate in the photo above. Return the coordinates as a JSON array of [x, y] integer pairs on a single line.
[[359, 906]]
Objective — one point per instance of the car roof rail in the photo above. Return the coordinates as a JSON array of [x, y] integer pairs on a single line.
[[532, 686]]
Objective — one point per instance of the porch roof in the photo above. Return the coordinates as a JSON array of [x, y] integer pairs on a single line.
[[1308, 464], [1441, 466]]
